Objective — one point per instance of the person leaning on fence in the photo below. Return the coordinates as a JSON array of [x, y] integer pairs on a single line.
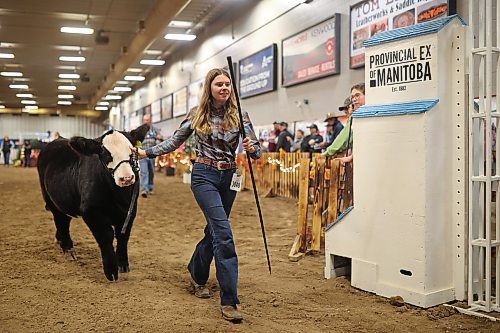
[[273, 137], [333, 128], [215, 123], [341, 142], [284, 139], [299, 136], [310, 142]]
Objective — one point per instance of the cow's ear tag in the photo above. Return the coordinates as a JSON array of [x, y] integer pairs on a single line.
[[236, 182]]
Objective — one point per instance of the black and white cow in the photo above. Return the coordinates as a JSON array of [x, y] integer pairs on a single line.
[[92, 178]]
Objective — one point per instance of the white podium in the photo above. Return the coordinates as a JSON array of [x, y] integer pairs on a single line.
[[405, 232]]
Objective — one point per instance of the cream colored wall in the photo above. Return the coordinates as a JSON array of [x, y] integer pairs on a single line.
[[323, 94], [16, 126]]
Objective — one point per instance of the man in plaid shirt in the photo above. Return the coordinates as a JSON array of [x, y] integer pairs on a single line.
[[148, 164]]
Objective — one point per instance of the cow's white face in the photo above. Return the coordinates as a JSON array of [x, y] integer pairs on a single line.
[[119, 147]]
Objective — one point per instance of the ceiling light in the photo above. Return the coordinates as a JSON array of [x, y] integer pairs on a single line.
[[180, 37], [68, 58], [66, 87], [18, 86], [6, 55], [76, 30], [101, 108], [69, 76], [110, 97], [64, 102], [180, 24], [2, 106], [134, 70], [154, 62], [103, 103], [122, 89], [31, 107], [28, 101], [67, 68], [11, 73], [65, 96], [134, 78], [122, 82], [153, 52], [24, 95]]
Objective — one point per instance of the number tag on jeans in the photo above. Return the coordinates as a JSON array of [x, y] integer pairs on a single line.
[[236, 182]]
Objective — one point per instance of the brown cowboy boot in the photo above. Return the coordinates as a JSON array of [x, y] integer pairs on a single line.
[[231, 313], [200, 290]]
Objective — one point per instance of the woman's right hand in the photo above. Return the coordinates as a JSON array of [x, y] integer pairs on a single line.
[[141, 155]]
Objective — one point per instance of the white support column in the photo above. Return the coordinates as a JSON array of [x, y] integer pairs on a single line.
[[481, 177]]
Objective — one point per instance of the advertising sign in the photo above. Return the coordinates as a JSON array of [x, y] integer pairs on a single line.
[[312, 53], [257, 72], [370, 17], [194, 91], [180, 102], [156, 111], [402, 71], [166, 107]]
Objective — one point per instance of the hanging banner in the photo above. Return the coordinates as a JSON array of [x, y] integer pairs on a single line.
[[257, 72], [370, 17], [312, 53]]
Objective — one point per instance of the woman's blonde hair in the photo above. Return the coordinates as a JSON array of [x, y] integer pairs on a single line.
[[201, 121]]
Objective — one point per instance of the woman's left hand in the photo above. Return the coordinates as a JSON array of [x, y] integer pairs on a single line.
[[248, 145]]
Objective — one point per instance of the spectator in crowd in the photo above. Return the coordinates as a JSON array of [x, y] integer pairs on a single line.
[[333, 126], [147, 165], [284, 139], [341, 142], [263, 147], [273, 137], [215, 125], [299, 136], [27, 153], [7, 145], [311, 141]]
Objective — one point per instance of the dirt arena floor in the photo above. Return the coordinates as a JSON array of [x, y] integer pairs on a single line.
[[43, 291]]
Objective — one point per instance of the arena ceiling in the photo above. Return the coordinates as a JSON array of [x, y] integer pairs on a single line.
[[124, 32]]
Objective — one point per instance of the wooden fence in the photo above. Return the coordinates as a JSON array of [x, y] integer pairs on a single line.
[[317, 182]]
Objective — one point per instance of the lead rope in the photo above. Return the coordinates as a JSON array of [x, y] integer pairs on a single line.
[[135, 191]]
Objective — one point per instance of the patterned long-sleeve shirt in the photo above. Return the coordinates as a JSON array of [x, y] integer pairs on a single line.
[[220, 145]]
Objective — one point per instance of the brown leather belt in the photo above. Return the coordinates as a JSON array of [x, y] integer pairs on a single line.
[[219, 165]]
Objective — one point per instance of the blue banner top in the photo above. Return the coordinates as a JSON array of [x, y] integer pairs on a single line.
[[420, 29], [382, 110]]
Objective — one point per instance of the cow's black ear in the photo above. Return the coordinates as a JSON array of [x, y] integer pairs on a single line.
[[85, 146], [139, 133]]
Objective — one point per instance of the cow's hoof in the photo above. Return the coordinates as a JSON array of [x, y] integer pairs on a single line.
[[124, 269], [111, 273], [71, 253], [112, 276]]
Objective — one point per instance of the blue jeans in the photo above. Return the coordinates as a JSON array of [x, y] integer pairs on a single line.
[[211, 190], [6, 157], [147, 166]]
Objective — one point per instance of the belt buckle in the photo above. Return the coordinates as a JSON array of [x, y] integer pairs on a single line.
[[219, 165]]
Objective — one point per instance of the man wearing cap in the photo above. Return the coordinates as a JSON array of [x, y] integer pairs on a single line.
[[310, 142], [273, 136], [334, 125], [284, 139]]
